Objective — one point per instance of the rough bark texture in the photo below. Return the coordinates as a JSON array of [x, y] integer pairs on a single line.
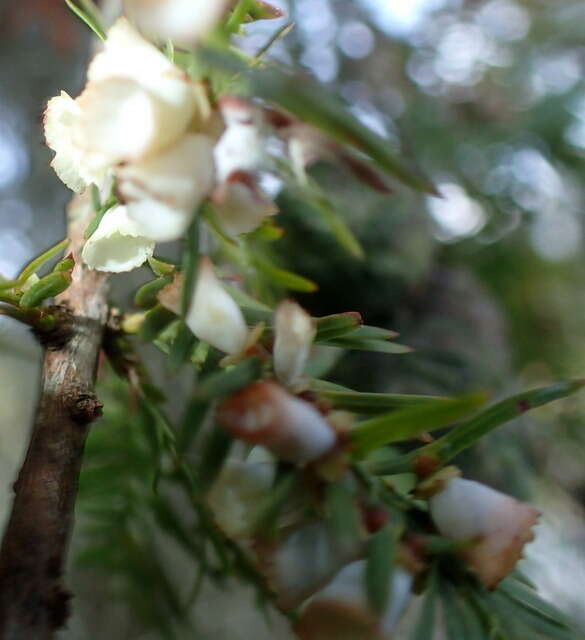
[[33, 601]]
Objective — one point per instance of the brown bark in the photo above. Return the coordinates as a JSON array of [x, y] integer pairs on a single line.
[[33, 601]]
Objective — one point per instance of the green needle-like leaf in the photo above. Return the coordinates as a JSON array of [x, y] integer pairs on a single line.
[[469, 432], [411, 422]]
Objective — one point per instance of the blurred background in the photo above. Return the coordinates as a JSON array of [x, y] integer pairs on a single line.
[[487, 283]]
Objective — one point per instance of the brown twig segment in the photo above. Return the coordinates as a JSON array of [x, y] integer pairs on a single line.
[[33, 602]]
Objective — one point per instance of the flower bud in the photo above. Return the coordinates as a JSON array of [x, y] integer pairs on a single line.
[[305, 561], [241, 205], [213, 315], [118, 244], [499, 526], [341, 610], [164, 191], [294, 334], [264, 413], [185, 22]]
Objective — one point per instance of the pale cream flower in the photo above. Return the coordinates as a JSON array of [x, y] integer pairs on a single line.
[[75, 167], [136, 103], [241, 205], [214, 316], [118, 243], [264, 413], [294, 334], [341, 610], [185, 22], [499, 525], [163, 192]]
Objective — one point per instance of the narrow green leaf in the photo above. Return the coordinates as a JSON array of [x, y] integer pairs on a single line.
[[182, 347], [47, 287], [338, 227], [531, 619], [189, 260], [425, 625], [337, 325], [380, 346], [282, 277], [340, 502], [253, 310], [155, 321], [530, 600], [170, 522], [381, 548], [469, 432], [161, 268], [374, 403], [410, 422], [192, 422], [89, 20], [222, 383], [259, 10], [100, 213], [279, 497], [454, 624], [146, 295], [66, 264], [34, 265], [214, 451], [366, 332]]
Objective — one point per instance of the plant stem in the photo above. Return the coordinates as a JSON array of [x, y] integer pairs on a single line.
[[33, 601]]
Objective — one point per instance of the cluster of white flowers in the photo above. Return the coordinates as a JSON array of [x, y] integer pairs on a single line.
[[143, 125]]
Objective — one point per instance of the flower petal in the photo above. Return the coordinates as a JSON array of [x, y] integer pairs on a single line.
[[294, 332], [163, 192], [241, 205], [117, 244], [500, 525], [168, 94], [74, 167], [185, 22], [214, 316]]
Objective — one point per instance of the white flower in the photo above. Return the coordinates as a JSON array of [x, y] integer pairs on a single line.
[[136, 103], [294, 332], [305, 561], [213, 315], [118, 243], [164, 191], [342, 611], [290, 428], [499, 525], [185, 22], [242, 147], [236, 498], [241, 205], [75, 167]]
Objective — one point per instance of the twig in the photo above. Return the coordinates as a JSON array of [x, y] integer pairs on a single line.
[[33, 601]]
